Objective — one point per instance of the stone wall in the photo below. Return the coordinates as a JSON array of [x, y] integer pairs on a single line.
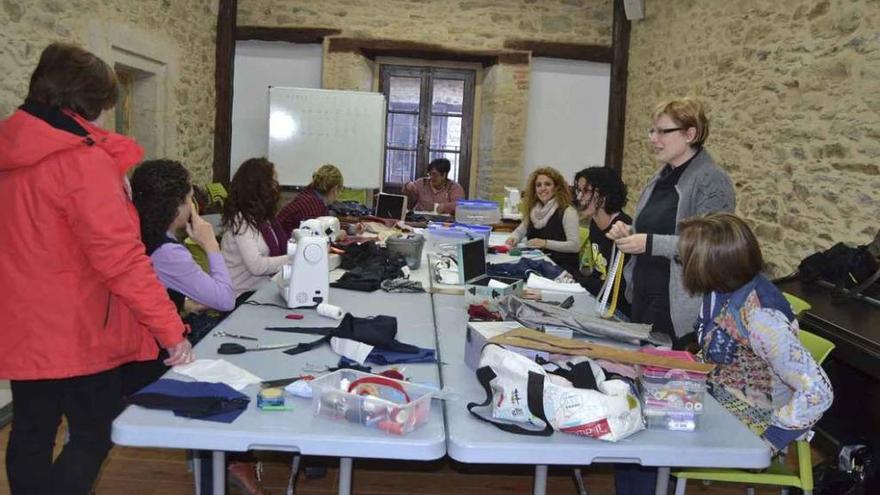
[[794, 102], [458, 25], [184, 29]]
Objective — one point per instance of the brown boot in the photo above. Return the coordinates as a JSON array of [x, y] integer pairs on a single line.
[[242, 476]]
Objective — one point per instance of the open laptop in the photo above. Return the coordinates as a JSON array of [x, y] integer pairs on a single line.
[[391, 206]]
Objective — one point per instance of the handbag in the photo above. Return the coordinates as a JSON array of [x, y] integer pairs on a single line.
[[523, 397], [851, 271]]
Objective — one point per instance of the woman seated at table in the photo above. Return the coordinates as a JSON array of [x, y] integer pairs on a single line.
[[601, 196], [549, 221], [312, 201], [435, 192], [764, 375], [162, 193], [254, 244]]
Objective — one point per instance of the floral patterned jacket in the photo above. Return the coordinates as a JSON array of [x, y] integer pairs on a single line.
[[764, 376]]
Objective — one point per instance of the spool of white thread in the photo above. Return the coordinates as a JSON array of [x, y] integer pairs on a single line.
[[330, 311]]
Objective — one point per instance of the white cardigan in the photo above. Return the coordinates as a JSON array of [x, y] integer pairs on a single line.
[[247, 257]]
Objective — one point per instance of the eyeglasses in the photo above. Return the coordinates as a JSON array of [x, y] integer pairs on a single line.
[[663, 132]]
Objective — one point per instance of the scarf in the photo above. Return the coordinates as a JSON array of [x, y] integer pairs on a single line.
[[541, 214], [275, 237]]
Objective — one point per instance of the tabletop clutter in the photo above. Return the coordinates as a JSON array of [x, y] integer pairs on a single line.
[[544, 366]]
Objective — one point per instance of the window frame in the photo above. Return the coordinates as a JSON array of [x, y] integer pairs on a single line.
[[423, 149]]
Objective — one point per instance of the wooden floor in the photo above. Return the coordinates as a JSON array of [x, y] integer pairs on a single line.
[[136, 471]]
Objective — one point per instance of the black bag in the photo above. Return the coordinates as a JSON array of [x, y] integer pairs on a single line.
[[852, 271], [852, 473]]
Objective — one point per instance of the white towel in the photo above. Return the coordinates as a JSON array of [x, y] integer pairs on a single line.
[[218, 370]]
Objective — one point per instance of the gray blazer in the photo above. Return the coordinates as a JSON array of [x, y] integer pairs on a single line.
[[702, 188]]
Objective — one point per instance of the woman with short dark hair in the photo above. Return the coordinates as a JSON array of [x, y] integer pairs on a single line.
[[254, 244], [601, 195], [78, 294], [764, 376], [436, 192]]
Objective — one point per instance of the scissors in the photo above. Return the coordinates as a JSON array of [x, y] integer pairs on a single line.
[[233, 348], [221, 333]]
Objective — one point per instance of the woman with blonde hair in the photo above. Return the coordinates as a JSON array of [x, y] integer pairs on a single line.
[[550, 223], [312, 202]]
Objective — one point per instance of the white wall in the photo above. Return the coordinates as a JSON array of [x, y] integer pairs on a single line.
[[258, 65], [568, 115]]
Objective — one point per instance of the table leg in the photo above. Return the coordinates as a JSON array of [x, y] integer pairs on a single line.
[[662, 481], [345, 465], [540, 480], [219, 462]]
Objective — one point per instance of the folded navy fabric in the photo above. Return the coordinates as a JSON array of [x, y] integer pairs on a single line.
[[199, 400], [522, 268], [384, 357]]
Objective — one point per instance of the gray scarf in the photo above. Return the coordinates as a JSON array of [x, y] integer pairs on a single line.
[[541, 214]]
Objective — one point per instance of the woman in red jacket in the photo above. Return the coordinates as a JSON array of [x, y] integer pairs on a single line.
[[78, 295]]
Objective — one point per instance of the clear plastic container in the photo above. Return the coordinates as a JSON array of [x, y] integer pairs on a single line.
[[674, 421], [444, 234], [375, 401], [477, 211]]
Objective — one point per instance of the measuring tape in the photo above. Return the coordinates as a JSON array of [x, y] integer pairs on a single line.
[[611, 287]]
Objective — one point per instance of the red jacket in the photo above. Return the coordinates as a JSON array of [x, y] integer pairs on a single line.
[[78, 294]]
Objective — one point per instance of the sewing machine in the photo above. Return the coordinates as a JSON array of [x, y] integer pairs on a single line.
[[306, 282]]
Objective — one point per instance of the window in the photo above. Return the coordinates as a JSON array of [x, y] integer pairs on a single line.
[[429, 116]]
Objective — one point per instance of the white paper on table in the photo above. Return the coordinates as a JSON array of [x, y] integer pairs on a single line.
[[218, 370], [352, 349], [539, 282], [495, 284]]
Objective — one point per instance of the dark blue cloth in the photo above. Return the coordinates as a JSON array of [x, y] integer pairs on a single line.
[[384, 357], [200, 400], [522, 268], [780, 437]]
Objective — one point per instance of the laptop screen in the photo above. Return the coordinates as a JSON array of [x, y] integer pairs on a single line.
[[391, 206]]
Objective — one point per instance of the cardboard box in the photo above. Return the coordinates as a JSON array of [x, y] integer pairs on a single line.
[[477, 289], [478, 335]]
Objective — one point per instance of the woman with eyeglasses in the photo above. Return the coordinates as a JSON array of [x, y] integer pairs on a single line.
[[688, 183]]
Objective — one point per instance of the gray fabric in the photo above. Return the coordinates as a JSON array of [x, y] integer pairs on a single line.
[[537, 315], [703, 187]]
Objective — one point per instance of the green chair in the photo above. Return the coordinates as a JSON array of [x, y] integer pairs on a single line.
[[798, 305], [359, 195], [778, 473]]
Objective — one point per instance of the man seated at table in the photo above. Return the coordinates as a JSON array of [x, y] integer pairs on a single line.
[[435, 192]]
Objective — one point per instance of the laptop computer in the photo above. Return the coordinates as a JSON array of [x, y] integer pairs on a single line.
[[391, 206]]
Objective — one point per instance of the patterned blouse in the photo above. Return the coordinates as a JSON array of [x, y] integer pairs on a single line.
[[765, 376]]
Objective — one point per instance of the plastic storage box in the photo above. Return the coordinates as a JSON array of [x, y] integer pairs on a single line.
[[452, 234], [393, 406], [477, 211], [672, 399]]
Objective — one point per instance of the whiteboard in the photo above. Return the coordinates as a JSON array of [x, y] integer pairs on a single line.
[[311, 127], [259, 65], [568, 115]]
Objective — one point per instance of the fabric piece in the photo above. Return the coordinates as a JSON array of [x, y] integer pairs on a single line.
[[478, 312], [218, 371], [367, 265], [350, 349], [379, 331], [383, 357], [402, 285], [533, 314], [522, 268], [198, 400], [541, 283]]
